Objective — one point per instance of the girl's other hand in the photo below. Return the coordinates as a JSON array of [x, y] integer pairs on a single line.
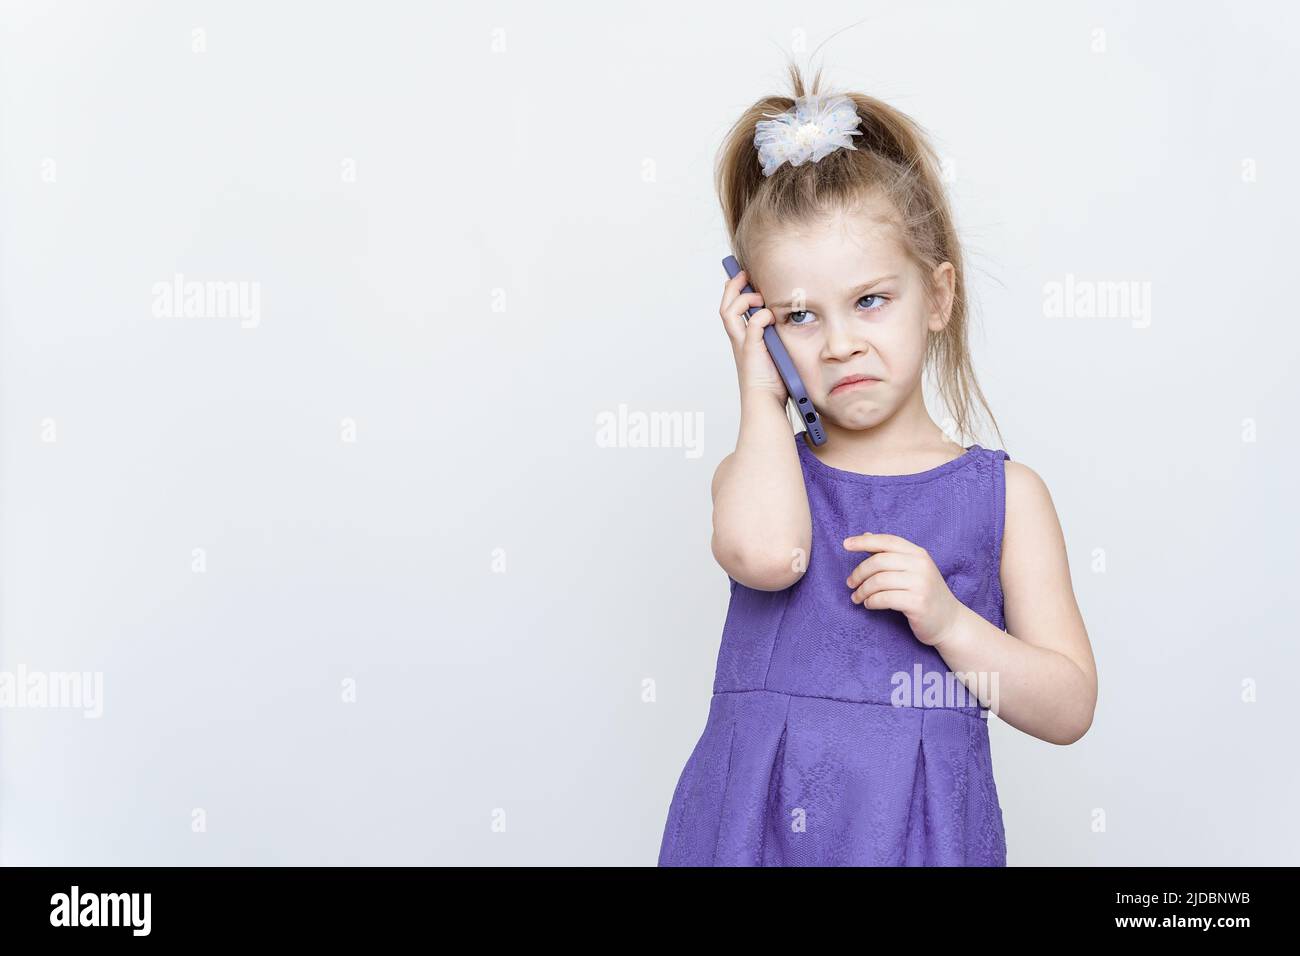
[[902, 576], [754, 366]]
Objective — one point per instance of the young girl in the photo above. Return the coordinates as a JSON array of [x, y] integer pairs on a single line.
[[874, 578]]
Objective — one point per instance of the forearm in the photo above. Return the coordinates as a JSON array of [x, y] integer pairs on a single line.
[[761, 519], [1039, 691]]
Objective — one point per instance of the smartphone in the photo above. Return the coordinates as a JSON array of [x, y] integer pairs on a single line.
[[781, 358]]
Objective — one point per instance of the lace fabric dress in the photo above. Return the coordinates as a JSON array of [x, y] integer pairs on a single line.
[[834, 737]]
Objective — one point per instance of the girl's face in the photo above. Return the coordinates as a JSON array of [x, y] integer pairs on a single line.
[[846, 301]]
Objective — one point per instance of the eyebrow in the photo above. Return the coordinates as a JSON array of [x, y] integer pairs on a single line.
[[857, 292]]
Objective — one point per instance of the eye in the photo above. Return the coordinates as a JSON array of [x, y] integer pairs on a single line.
[[797, 317]]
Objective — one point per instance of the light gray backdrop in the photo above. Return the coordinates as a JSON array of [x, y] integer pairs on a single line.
[[334, 621]]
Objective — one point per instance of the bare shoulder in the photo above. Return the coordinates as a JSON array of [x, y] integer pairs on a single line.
[[1027, 494], [1035, 567]]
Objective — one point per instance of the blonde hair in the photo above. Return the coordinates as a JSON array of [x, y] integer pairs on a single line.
[[893, 160]]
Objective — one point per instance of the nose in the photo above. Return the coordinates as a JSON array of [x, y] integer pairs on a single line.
[[844, 340]]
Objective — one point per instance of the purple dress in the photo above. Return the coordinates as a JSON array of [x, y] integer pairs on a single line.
[[835, 737]]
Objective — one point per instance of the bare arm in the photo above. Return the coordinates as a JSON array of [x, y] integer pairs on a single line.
[[1046, 678], [761, 520], [762, 526]]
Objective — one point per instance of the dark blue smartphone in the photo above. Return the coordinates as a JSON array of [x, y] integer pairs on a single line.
[[784, 366]]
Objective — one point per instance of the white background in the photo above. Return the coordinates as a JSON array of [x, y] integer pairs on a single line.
[[531, 240]]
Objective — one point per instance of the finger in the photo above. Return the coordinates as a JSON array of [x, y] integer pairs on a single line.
[[869, 541], [732, 288], [754, 331], [884, 561], [894, 600], [758, 321], [734, 318], [735, 309], [884, 581]]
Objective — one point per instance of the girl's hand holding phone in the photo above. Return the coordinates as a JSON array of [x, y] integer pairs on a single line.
[[754, 366]]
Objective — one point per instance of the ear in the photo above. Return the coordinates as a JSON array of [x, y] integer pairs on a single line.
[[944, 282]]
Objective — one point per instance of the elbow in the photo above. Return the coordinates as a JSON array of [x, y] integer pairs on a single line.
[[773, 578], [762, 572], [1075, 730], [1077, 720]]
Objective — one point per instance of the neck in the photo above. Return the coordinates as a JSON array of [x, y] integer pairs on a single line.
[[904, 436]]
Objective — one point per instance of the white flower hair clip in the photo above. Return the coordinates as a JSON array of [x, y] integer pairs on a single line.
[[817, 125]]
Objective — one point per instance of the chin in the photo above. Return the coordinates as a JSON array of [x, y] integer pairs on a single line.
[[858, 419]]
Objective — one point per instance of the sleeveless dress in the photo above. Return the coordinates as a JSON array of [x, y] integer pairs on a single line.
[[823, 745]]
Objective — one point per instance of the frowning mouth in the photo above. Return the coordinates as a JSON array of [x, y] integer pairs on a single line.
[[854, 381]]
